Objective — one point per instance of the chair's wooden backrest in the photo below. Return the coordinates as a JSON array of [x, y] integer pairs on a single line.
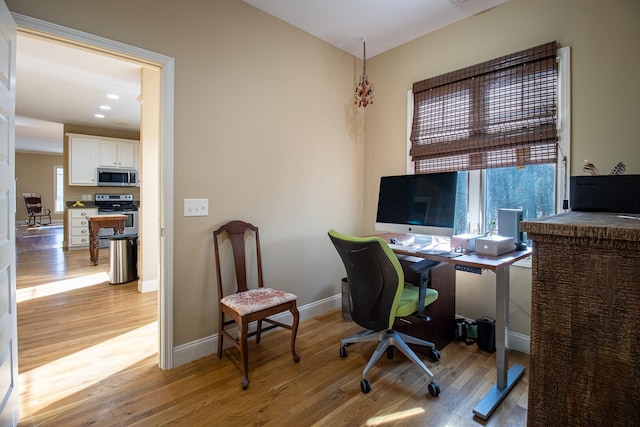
[[237, 231], [34, 204]]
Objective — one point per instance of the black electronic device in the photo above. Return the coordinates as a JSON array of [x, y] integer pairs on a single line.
[[422, 204], [605, 193], [466, 268]]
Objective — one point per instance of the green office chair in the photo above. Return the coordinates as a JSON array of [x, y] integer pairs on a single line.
[[378, 294]]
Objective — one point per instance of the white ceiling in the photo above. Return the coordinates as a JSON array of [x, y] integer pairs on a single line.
[[383, 24], [58, 84]]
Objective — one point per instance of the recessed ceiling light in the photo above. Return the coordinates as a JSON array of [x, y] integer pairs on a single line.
[[105, 107], [99, 116], [113, 96]]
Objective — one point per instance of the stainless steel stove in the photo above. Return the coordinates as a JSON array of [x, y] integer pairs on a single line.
[[121, 204]]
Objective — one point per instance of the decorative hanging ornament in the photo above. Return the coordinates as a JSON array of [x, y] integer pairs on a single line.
[[363, 95]]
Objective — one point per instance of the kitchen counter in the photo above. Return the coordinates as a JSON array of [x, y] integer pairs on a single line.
[[69, 205]]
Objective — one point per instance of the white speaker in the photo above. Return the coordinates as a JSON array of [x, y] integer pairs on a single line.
[[509, 226]]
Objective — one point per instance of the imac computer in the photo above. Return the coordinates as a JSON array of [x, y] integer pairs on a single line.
[[422, 204]]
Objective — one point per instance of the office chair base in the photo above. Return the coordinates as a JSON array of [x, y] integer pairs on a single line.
[[386, 339], [365, 387], [434, 389]]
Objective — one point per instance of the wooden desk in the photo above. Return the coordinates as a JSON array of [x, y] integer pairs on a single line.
[[441, 329], [507, 377], [103, 221]]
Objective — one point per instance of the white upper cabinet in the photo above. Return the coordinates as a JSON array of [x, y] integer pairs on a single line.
[[87, 153], [117, 153], [82, 160]]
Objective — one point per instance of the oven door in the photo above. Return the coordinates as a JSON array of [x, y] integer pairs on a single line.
[[130, 227]]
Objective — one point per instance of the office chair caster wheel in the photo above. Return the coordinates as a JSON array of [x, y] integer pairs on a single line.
[[343, 351], [365, 386], [435, 355], [434, 389]]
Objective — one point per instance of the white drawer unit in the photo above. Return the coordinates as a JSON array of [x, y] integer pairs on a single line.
[[78, 234]]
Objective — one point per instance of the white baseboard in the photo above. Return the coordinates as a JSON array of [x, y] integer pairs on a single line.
[[206, 346], [519, 342], [148, 285]]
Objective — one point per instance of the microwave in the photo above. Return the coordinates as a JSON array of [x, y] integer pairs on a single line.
[[117, 177]]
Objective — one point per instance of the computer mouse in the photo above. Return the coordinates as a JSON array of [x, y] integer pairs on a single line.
[[393, 240]]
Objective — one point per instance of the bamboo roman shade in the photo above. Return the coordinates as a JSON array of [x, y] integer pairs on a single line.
[[495, 114]]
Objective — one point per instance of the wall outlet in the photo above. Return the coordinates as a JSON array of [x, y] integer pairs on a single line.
[[196, 207]]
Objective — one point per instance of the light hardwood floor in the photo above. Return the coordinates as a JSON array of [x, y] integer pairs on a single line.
[[87, 356]]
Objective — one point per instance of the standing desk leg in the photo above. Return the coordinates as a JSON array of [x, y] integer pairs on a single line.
[[506, 378]]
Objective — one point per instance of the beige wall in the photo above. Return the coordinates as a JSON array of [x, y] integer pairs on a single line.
[[264, 129], [604, 45], [35, 174]]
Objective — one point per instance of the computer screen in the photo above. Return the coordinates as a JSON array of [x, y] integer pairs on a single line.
[[420, 204]]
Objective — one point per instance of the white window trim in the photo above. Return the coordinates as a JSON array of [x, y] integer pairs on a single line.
[[55, 189], [476, 178], [564, 126]]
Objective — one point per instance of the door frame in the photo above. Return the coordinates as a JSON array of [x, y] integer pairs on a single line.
[[165, 155]]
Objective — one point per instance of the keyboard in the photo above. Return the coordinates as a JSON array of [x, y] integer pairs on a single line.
[[396, 247], [440, 252]]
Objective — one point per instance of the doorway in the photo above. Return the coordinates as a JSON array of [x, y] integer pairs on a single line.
[[160, 191]]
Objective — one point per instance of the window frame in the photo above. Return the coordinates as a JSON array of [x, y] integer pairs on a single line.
[[477, 178], [55, 189]]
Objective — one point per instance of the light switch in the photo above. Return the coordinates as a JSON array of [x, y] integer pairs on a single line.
[[196, 207]]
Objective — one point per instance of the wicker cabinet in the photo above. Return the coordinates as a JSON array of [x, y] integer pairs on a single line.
[[585, 340]]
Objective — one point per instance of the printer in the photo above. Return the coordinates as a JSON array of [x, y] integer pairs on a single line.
[[605, 193]]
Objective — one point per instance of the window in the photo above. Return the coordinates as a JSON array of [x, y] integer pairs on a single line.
[[58, 188], [503, 125]]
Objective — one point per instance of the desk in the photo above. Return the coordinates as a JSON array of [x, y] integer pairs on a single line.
[[507, 377], [103, 221], [441, 329]]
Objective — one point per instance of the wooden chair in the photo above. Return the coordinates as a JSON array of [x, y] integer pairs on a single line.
[[249, 305], [35, 211]]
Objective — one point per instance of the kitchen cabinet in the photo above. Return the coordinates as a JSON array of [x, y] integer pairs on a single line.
[[78, 230], [114, 153], [87, 153], [82, 160]]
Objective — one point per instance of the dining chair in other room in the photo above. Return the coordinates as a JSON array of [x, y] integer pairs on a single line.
[[379, 295], [248, 303]]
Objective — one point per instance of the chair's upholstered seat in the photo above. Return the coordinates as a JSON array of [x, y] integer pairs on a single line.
[[409, 299], [253, 300]]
